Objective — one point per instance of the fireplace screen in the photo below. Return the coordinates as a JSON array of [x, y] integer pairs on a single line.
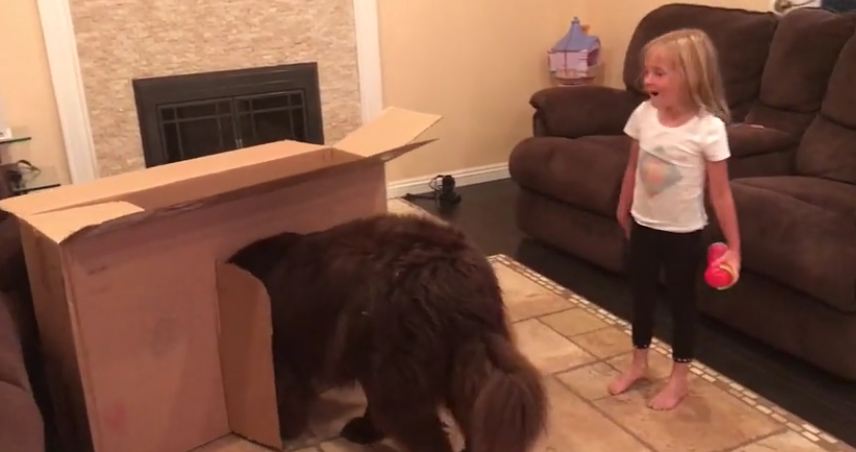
[[189, 116]]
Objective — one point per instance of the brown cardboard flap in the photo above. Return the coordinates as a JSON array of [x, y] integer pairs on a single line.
[[59, 226], [393, 128], [396, 152], [236, 180], [327, 163], [190, 180], [157, 178], [246, 356]]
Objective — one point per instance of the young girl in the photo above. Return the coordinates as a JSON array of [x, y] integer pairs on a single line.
[[679, 143]]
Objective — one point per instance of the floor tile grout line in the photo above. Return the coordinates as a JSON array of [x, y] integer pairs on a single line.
[[571, 337], [535, 316], [569, 295], [758, 439], [543, 323], [606, 415], [581, 346]]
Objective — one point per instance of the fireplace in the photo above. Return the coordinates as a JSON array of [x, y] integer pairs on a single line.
[[188, 116]]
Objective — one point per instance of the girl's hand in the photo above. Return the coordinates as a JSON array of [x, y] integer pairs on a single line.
[[623, 217], [625, 197], [731, 258]]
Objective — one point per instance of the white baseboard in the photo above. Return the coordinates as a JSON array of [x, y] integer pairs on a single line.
[[463, 177]]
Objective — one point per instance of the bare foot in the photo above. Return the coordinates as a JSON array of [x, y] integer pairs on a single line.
[[675, 390], [638, 369]]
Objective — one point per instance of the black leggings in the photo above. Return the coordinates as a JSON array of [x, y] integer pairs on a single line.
[[680, 256]]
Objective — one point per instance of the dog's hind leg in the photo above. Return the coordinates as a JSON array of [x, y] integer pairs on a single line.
[[362, 430], [418, 429], [293, 398], [409, 417]]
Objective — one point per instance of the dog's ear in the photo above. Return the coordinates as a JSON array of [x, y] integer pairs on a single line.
[[261, 255]]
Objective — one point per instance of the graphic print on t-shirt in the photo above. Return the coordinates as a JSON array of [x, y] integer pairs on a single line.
[[656, 173]]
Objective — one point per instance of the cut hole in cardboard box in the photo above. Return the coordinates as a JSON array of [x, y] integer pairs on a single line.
[[151, 340]]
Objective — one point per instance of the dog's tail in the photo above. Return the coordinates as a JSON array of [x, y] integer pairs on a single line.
[[507, 403]]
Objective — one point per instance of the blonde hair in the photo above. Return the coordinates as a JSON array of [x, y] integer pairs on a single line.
[[695, 56]]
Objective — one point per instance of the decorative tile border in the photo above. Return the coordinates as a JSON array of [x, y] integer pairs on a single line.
[[748, 397]]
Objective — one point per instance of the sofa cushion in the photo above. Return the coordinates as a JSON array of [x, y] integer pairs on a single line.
[[21, 424], [801, 232], [585, 172], [828, 149], [776, 118], [813, 37], [742, 38], [829, 195], [840, 98], [746, 140]]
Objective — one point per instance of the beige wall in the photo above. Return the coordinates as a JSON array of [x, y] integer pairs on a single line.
[[475, 61], [25, 88]]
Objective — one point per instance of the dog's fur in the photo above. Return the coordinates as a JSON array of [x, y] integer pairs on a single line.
[[413, 312]]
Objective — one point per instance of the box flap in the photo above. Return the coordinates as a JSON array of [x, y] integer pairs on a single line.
[[97, 220], [246, 356], [205, 171], [191, 180], [390, 154], [59, 226], [393, 128]]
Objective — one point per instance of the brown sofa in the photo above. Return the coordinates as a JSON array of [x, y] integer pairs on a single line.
[[21, 423], [793, 172]]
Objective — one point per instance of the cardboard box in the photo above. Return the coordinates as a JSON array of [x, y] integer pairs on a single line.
[[152, 342]]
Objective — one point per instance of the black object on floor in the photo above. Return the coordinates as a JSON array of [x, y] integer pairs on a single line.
[[821, 399], [442, 192]]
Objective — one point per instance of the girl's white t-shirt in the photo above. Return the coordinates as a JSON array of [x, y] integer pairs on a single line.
[[670, 173]]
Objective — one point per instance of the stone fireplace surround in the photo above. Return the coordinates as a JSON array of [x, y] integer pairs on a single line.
[[116, 42]]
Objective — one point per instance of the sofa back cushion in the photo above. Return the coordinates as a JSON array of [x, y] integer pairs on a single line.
[[804, 51], [828, 149], [741, 37]]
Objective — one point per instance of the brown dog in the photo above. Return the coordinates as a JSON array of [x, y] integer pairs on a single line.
[[413, 312]]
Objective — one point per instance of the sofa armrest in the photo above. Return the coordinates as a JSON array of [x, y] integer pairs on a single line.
[[572, 112]]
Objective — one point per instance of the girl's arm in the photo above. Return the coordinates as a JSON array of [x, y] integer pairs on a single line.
[[625, 198], [723, 204]]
